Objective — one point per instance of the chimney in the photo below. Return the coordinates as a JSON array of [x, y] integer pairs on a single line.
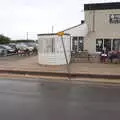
[[82, 21]]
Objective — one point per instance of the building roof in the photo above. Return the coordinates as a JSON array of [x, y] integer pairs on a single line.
[[72, 27], [77, 30], [102, 6], [47, 34], [82, 22]]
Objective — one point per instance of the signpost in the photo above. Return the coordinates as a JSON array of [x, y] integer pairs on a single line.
[[68, 69], [60, 34], [114, 18]]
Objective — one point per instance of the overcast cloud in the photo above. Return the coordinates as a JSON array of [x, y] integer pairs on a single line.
[[17, 17]]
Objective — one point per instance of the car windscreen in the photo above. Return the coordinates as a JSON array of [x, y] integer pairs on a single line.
[[7, 47]]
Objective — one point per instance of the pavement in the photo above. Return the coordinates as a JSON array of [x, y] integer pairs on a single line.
[[29, 65], [26, 100]]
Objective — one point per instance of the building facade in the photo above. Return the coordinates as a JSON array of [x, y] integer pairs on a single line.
[[103, 22], [77, 33]]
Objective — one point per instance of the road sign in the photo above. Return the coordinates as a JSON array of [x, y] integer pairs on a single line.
[[60, 33]]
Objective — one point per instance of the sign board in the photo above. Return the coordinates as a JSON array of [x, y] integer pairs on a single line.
[[60, 33], [114, 18]]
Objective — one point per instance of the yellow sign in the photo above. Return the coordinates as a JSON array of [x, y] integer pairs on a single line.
[[60, 33]]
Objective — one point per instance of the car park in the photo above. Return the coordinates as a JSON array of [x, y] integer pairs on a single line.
[[6, 50]]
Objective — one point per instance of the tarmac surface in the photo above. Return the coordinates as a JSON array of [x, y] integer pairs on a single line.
[[31, 100]]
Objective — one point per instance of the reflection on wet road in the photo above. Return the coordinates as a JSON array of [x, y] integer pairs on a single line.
[[24, 100]]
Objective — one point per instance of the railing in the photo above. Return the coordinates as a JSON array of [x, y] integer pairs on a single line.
[[84, 56]]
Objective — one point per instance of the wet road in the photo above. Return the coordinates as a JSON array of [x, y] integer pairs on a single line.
[[23, 100]]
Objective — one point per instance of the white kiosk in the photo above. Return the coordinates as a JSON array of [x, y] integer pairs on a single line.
[[51, 50]]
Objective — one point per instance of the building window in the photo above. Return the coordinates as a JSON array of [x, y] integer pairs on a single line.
[[77, 44], [99, 45], [53, 45], [80, 44], [49, 45], [116, 44], [107, 44]]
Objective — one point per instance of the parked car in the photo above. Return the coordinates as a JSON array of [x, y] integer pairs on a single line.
[[2, 52], [7, 50], [12, 45], [23, 46]]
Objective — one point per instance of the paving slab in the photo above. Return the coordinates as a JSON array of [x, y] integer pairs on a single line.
[[31, 64]]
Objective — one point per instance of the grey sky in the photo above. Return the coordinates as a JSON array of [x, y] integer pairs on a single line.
[[17, 17]]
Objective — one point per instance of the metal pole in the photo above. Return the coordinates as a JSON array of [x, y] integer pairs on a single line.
[[27, 35], [93, 20], [66, 58], [52, 28]]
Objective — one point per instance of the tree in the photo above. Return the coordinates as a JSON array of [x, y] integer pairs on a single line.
[[4, 39], [24, 41]]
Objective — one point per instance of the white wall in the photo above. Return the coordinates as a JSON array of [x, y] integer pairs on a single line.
[[90, 43], [77, 31], [100, 28], [58, 57]]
